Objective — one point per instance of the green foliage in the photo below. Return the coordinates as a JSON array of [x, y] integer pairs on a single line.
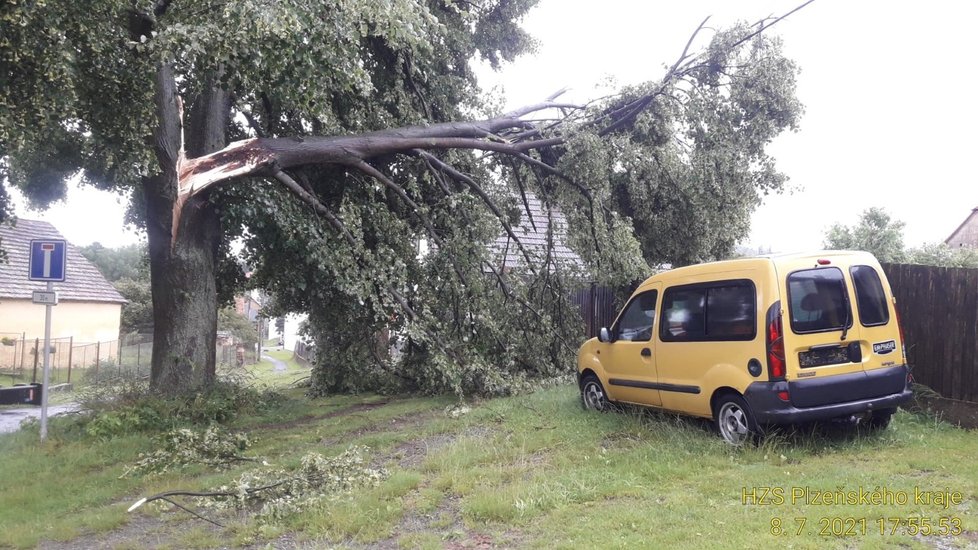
[[126, 405], [881, 235], [215, 447], [127, 268], [676, 185], [279, 492], [940, 254], [693, 168], [126, 262], [238, 325], [876, 233], [137, 314]]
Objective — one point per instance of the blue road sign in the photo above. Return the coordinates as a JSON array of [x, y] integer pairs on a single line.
[[48, 259]]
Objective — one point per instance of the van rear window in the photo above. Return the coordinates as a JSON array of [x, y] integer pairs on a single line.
[[817, 300], [870, 298]]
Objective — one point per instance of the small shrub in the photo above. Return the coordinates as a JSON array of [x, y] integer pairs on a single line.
[[125, 404]]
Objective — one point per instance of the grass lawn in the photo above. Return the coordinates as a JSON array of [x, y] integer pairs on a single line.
[[533, 471]]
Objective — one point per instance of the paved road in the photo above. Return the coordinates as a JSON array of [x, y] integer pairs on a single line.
[[10, 418]]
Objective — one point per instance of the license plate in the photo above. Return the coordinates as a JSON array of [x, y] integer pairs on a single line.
[[823, 356]]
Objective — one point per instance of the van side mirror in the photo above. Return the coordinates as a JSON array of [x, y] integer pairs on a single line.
[[604, 335]]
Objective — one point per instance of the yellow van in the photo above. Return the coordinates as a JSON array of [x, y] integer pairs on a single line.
[[752, 342]]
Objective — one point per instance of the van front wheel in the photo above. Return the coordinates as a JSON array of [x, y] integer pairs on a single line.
[[593, 396], [734, 420]]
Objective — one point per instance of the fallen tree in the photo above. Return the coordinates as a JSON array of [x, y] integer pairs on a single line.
[[350, 110]]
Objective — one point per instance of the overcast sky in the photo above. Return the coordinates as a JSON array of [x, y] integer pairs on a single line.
[[888, 87]]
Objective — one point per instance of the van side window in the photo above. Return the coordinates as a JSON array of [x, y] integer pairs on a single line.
[[635, 323], [817, 300], [724, 310], [870, 298]]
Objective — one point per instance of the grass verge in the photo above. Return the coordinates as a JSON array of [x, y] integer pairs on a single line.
[[532, 471]]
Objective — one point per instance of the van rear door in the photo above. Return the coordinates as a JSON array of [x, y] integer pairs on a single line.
[[841, 335], [875, 311], [822, 335]]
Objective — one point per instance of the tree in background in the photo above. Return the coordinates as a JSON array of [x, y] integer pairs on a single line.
[[336, 139], [239, 326], [127, 268], [876, 233], [126, 262]]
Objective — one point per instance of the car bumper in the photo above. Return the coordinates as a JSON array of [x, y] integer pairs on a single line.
[[829, 397]]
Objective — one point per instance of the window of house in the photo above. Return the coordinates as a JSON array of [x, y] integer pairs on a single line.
[[870, 298], [724, 310]]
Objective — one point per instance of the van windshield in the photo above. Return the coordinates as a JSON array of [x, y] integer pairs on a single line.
[[817, 300]]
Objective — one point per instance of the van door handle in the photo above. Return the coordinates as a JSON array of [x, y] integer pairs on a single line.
[[646, 352]]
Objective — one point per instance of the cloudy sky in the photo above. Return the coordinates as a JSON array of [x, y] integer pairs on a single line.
[[888, 89]]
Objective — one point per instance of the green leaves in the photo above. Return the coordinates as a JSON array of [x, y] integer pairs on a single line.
[[876, 232]]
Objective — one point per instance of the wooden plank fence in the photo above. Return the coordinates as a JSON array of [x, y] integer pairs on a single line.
[[599, 306], [938, 309]]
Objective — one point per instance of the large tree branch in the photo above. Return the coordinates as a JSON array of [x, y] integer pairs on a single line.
[[486, 199]]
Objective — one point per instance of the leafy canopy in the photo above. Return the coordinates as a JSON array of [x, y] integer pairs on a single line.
[[668, 171]]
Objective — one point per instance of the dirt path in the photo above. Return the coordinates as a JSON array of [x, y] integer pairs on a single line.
[[280, 366]]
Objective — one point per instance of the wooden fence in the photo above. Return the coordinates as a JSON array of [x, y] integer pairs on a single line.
[[938, 309], [599, 306]]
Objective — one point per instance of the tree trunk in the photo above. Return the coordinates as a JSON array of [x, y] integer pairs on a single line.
[[184, 239], [183, 272]]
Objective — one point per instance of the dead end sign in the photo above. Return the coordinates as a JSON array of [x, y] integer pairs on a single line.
[[47, 260]]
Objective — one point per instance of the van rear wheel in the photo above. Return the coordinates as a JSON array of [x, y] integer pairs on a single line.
[[880, 419], [735, 421]]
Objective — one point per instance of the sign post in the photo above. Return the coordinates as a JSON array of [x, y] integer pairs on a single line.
[[47, 263]]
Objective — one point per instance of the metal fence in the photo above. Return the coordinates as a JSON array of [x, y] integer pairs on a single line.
[[21, 362]]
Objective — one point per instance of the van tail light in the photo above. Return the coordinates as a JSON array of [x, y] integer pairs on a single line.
[[903, 341], [775, 343]]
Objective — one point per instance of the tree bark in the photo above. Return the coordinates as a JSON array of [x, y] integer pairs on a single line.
[[184, 236]]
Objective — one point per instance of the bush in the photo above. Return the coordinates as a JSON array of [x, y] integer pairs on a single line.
[[126, 404]]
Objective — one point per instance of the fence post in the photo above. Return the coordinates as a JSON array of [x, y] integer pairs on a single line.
[[23, 350], [37, 346], [71, 347]]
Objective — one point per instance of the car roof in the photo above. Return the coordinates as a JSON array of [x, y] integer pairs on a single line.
[[843, 257]]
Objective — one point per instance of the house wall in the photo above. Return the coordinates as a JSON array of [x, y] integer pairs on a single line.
[[291, 336], [84, 321], [967, 234]]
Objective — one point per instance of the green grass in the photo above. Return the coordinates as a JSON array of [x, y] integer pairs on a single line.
[[532, 471]]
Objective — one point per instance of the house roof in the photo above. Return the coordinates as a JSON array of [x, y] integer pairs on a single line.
[[974, 212], [533, 236], [83, 282]]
